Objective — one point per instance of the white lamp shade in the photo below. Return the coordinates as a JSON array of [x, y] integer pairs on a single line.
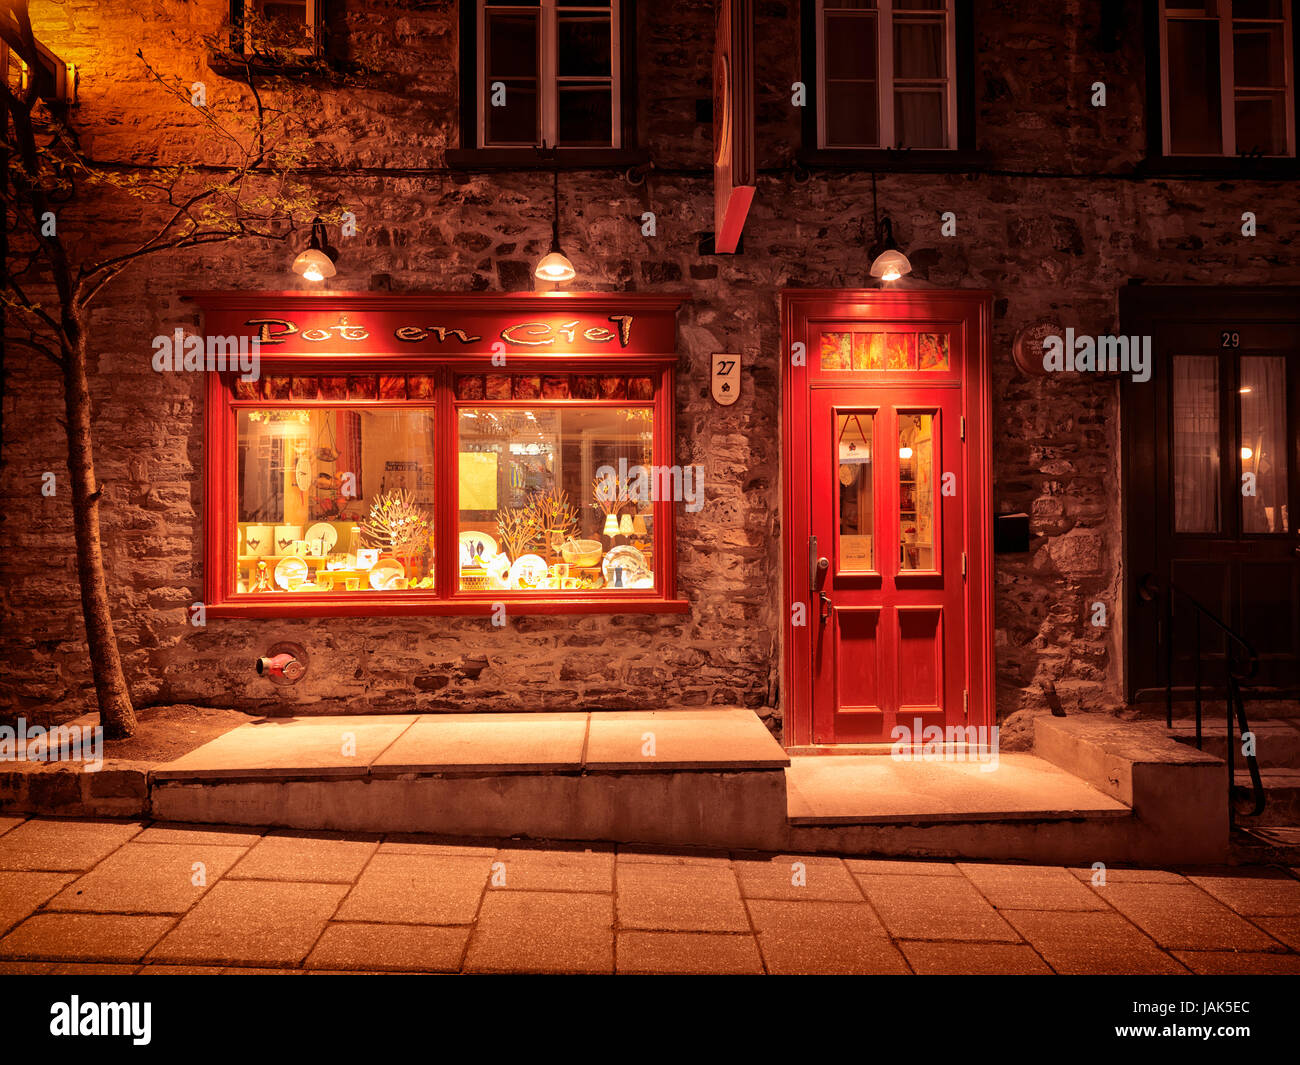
[[611, 525], [555, 267], [314, 265], [625, 526], [890, 265]]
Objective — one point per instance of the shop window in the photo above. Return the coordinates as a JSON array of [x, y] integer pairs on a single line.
[[272, 28], [885, 73], [1227, 77], [545, 72]]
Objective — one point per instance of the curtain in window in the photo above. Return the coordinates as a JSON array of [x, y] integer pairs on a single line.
[[1196, 444], [919, 62], [348, 426], [1263, 443]]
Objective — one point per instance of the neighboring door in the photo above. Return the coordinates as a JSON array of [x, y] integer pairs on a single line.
[[886, 472], [1212, 463]]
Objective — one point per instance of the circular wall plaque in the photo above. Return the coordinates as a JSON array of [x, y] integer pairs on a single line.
[[1027, 348]]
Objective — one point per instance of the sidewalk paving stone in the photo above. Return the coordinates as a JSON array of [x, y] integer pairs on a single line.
[[929, 907], [22, 894], [418, 889], [1120, 875], [646, 854], [973, 959], [823, 937], [543, 931], [414, 843], [774, 877], [146, 878], [320, 857], [63, 846], [8, 821], [1238, 963], [707, 953], [208, 835], [252, 922], [1183, 917], [1253, 892], [679, 898], [901, 867], [1088, 942], [409, 948], [1030, 887], [555, 868], [1286, 929], [85, 937]]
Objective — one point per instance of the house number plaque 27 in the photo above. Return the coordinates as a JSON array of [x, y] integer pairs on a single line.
[[726, 379]]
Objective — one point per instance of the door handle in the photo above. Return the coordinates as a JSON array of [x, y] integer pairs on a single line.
[[818, 567]]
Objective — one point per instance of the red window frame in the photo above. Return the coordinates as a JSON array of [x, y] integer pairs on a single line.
[[361, 333]]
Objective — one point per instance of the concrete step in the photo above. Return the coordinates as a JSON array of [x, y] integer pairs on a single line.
[[703, 778], [1282, 799], [1277, 740]]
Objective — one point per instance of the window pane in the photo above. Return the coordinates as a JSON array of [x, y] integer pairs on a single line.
[[1196, 444], [510, 93], [854, 432], [916, 491], [1258, 55], [1261, 124], [583, 47], [1264, 444], [334, 500], [851, 114], [1194, 109], [850, 47], [511, 45], [918, 118], [586, 115], [919, 49], [557, 499]]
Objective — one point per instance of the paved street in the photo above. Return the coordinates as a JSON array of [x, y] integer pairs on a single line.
[[115, 896]]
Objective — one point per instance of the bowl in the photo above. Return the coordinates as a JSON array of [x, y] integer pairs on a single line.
[[582, 553]]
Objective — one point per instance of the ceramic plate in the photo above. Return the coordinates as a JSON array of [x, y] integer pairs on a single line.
[[528, 571], [322, 536], [385, 571], [629, 560], [476, 543], [289, 568]]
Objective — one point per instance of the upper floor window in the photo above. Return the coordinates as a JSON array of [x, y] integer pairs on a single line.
[[268, 28], [886, 74], [1227, 77], [549, 72]]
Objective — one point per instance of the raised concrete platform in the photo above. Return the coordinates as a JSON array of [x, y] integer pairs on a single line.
[[868, 789], [1095, 789]]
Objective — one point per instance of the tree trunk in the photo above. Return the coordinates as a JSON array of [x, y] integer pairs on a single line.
[[115, 711]]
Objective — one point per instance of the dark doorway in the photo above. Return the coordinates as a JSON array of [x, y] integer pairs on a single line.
[[1211, 451]]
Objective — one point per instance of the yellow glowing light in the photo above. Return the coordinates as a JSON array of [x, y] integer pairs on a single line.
[[1247, 454], [904, 452]]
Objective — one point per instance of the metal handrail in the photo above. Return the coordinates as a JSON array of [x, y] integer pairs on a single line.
[[1238, 667]]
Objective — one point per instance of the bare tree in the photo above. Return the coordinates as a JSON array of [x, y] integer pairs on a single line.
[[249, 187]]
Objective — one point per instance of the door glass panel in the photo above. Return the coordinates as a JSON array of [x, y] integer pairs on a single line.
[[916, 491], [1196, 444], [854, 433], [1262, 402]]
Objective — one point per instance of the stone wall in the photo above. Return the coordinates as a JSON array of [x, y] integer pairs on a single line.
[[1053, 225]]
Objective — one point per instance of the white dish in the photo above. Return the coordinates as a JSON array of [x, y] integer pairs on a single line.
[[630, 561], [385, 571], [476, 543], [528, 571], [322, 536], [289, 568]]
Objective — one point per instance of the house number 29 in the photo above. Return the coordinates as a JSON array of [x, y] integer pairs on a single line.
[[1230, 340], [726, 379]]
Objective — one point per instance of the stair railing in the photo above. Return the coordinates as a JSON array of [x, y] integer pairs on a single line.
[[1240, 662]]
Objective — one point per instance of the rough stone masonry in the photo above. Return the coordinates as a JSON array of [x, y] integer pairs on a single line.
[[1054, 223]]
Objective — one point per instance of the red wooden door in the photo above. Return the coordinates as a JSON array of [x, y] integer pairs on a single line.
[[887, 495]]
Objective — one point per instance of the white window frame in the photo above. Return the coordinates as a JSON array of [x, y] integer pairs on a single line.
[[547, 63], [313, 16], [883, 14], [1227, 74]]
